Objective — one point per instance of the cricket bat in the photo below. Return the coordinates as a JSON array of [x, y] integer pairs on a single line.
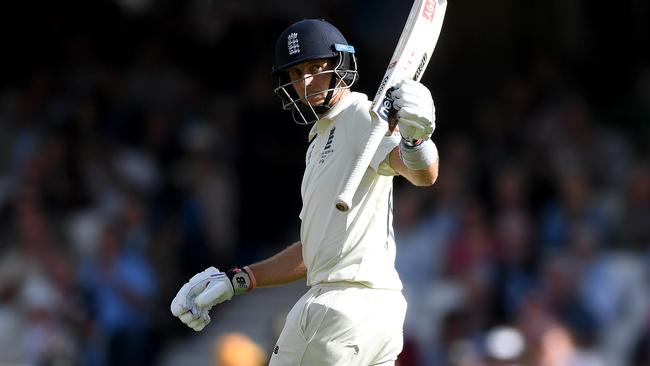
[[409, 60]]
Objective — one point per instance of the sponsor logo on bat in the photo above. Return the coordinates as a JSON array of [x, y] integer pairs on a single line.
[[382, 85], [429, 10], [386, 104], [421, 66]]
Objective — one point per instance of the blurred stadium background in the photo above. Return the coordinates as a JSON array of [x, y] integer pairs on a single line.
[[140, 142]]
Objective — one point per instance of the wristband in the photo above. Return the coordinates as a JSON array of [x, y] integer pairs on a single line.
[[251, 276], [420, 156], [411, 142], [242, 280]]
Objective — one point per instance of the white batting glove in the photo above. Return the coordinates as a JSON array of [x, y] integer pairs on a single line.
[[195, 299], [416, 114]]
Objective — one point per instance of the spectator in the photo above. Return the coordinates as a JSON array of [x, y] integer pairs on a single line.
[[120, 289]]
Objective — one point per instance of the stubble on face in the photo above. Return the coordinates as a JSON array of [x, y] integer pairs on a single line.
[[313, 82]]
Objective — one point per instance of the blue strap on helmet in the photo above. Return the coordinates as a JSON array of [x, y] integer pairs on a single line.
[[343, 47]]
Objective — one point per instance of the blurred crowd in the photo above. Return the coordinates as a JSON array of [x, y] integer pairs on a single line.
[[141, 142], [538, 222]]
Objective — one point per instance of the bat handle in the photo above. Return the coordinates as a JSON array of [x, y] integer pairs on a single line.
[[344, 199], [343, 203]]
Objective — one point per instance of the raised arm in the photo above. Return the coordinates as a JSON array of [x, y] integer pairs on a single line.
[[416, 158], [419, 177]]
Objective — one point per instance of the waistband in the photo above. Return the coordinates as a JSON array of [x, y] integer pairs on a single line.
[[348, 284]]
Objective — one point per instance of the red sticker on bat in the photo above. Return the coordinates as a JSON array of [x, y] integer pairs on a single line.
[[429, 10]]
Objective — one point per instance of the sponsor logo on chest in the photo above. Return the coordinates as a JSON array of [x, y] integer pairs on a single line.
[[327, 150]]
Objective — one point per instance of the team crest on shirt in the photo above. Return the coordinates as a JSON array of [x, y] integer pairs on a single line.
[[327, 150]]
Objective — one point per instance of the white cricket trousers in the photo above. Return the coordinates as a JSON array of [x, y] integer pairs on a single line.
[[342, 324]]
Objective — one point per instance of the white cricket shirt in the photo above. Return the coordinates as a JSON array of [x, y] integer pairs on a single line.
[[357, 245]]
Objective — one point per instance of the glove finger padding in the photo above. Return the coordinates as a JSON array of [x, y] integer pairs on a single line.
[[184, 300], [416, 112], [195, 298], [180, 303], [188, 317], [215, 294], [411, 94], [198, 324], [415, 129]]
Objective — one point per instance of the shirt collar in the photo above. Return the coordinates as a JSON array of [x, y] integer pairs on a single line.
[[326, 119]]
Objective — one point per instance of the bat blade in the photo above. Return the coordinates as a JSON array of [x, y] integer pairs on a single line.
[[410, 58], [413, 50]]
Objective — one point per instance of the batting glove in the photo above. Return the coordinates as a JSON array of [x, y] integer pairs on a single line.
[[206, 289], [415, 110]]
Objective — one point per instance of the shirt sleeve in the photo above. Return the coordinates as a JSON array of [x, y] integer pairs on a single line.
[[381, 161]]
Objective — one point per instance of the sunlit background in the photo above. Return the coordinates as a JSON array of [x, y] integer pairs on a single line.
[[141, 142]]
